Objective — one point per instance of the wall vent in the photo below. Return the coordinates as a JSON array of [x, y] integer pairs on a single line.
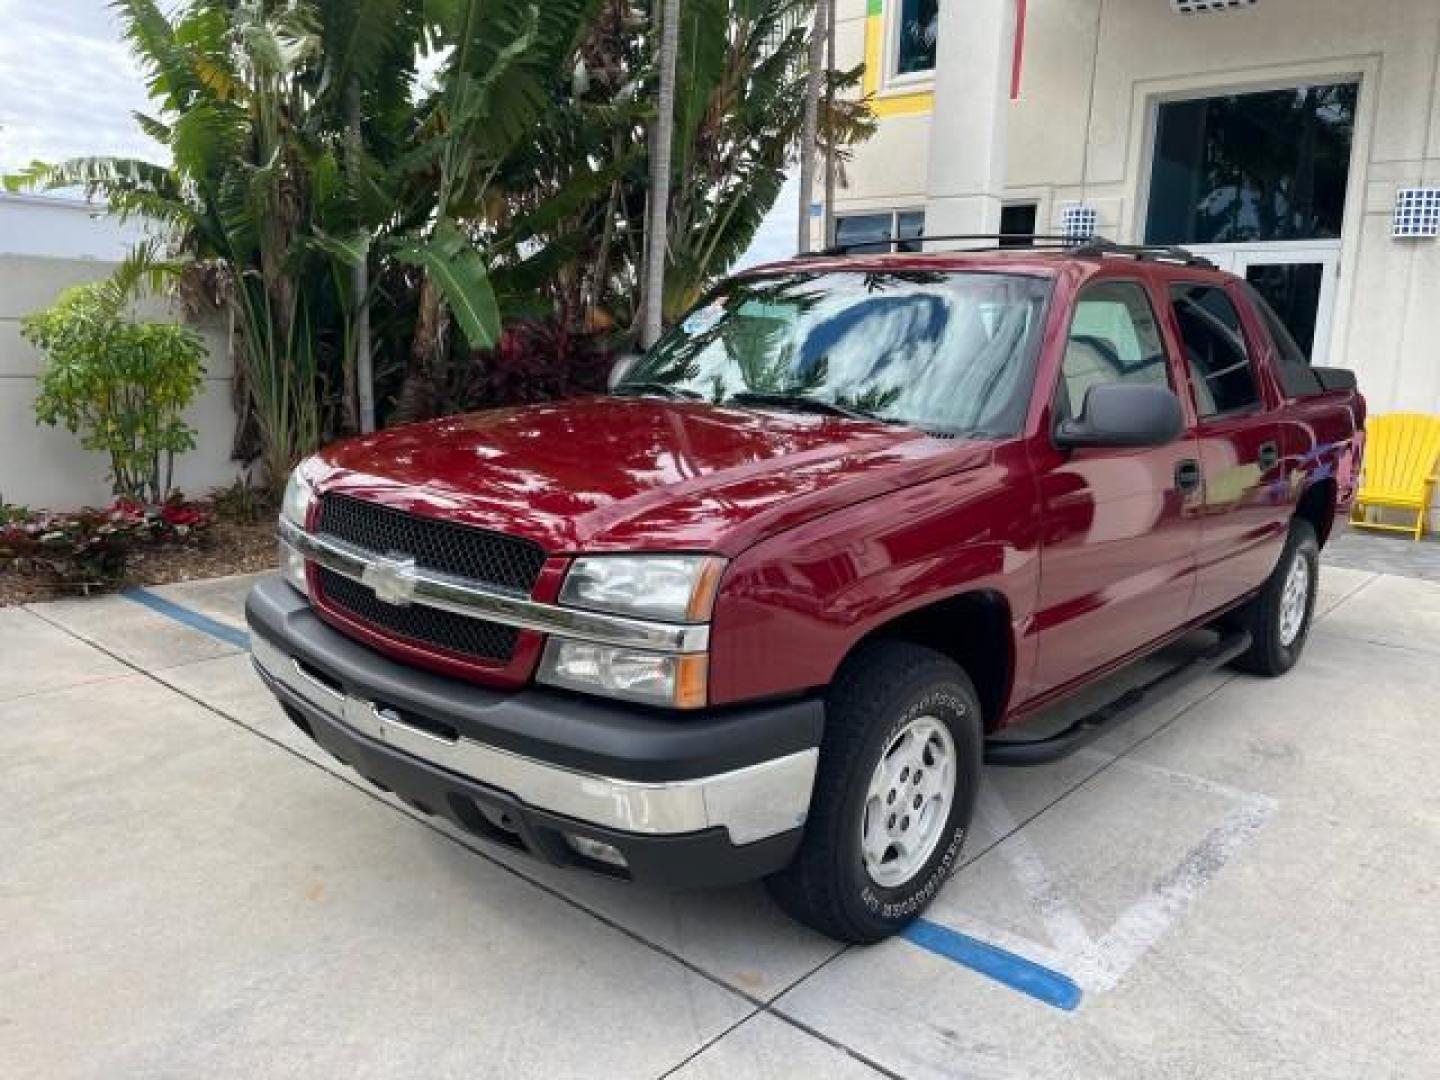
[[1206, 7], [1079, 222], [1417, 213]]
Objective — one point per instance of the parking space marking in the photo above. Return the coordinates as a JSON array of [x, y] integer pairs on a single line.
[[1097, 965], [1003, 966], [1038, 969], [230, 635], [758, 1004]]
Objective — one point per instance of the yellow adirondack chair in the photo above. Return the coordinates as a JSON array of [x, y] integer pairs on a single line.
[[1399, 470]]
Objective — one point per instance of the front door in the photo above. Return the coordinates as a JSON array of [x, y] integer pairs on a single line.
[[1298, 280], [1120, 526]]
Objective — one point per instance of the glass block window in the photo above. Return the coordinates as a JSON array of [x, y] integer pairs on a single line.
[[1254, 167], [1202, 7], [1079, 222], [1417, 213], [917, 28]]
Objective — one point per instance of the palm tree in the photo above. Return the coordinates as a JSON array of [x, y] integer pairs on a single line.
[[663, 135], [252, 201], [316, 193], [813, 82], [741, 102], [369, 51], [505, 57], [284, 189]]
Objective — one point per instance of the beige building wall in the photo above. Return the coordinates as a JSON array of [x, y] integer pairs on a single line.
[[44, 467], [1068, 143]]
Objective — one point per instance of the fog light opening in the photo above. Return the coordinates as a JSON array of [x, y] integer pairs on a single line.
[[597, 850]]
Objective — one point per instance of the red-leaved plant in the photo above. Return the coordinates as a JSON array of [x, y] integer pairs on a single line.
[[90, 547], [534, 361]]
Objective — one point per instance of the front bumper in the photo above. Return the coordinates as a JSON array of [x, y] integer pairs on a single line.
[[689, 800]]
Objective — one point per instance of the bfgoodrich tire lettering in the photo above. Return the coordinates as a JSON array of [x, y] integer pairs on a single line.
[[885, 689]]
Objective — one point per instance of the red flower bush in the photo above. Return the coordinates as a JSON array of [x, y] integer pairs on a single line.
[[90, 547]]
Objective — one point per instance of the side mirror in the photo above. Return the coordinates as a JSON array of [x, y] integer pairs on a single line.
[[621, 368], [1121, 415]]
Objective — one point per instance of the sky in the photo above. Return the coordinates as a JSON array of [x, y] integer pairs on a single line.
[[68, 86]]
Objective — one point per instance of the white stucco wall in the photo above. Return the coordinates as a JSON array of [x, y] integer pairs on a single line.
[[46, 246], [1060, 149]]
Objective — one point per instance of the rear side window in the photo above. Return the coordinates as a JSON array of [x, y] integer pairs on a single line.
[[1113, 339], [1215, 350], [1292, 367]]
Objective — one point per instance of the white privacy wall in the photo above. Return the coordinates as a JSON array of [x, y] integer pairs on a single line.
[[47, 245]]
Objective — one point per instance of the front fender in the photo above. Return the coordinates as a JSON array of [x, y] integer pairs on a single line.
[[793, 607]]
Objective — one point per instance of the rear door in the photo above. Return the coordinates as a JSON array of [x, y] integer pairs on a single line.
[[1245, 508], [1120, 526]]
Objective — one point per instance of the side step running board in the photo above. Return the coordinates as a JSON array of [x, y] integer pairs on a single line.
[[1015, 752]]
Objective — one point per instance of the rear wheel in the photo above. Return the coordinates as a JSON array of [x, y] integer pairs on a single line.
[[1279, 617], [894, 794]]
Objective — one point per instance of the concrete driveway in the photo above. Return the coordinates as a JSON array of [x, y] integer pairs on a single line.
[[1243, 882]]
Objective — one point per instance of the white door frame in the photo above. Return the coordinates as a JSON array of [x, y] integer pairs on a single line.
[[1237, 258]]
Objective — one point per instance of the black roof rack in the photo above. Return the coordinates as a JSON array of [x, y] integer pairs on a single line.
[[1145, 252], [999, 242], [1095, 247]]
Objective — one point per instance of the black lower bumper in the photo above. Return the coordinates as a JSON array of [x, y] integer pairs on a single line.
[[595, 738]]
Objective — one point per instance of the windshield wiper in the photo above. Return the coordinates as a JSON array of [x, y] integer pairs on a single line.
[[801, 403], [639, 389]]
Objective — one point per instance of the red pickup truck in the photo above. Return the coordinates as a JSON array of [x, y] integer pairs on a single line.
[[762, 610]]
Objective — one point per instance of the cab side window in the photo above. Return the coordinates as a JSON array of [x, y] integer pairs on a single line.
[[1114, 338], [1215, 349], [1291, 364]]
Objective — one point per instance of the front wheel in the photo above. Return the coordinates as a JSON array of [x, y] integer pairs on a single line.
[[1279, 617], [894, 793]]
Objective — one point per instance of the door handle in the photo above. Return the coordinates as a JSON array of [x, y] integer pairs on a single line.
[[1187, 474], [1269, 456]]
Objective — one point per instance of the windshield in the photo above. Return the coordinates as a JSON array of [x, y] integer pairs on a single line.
[[944, 352]]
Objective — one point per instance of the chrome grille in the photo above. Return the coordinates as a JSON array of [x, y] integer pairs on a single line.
[[479, 555], [472, 638]]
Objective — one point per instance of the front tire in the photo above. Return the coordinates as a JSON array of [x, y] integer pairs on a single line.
[[1279, 617], [895, 790]]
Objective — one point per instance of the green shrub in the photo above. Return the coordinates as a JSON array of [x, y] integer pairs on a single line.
[[120, 384]]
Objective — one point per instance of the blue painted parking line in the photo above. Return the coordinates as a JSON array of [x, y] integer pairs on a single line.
[[1004, 967], [193, 619]]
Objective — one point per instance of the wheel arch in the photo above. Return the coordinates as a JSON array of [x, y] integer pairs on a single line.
[[1317, 506], [972, 628]]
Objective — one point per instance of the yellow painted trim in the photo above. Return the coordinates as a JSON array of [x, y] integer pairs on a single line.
[[881, 103]]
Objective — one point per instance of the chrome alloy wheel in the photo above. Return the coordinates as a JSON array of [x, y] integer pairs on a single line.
[[1295, 600], [908, 802]]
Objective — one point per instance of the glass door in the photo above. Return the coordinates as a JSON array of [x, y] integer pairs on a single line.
[[1297, 279], [1300, 286], [1258, 181]]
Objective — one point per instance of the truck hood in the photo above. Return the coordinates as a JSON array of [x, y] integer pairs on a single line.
[[610, 474]]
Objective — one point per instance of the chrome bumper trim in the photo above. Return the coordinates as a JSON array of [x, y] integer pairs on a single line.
[[750, 804], [468, 598]]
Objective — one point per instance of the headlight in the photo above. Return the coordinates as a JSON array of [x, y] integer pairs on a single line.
[[675, 588], [670, 588], [674, 680], [292, 568], [295, 507]]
